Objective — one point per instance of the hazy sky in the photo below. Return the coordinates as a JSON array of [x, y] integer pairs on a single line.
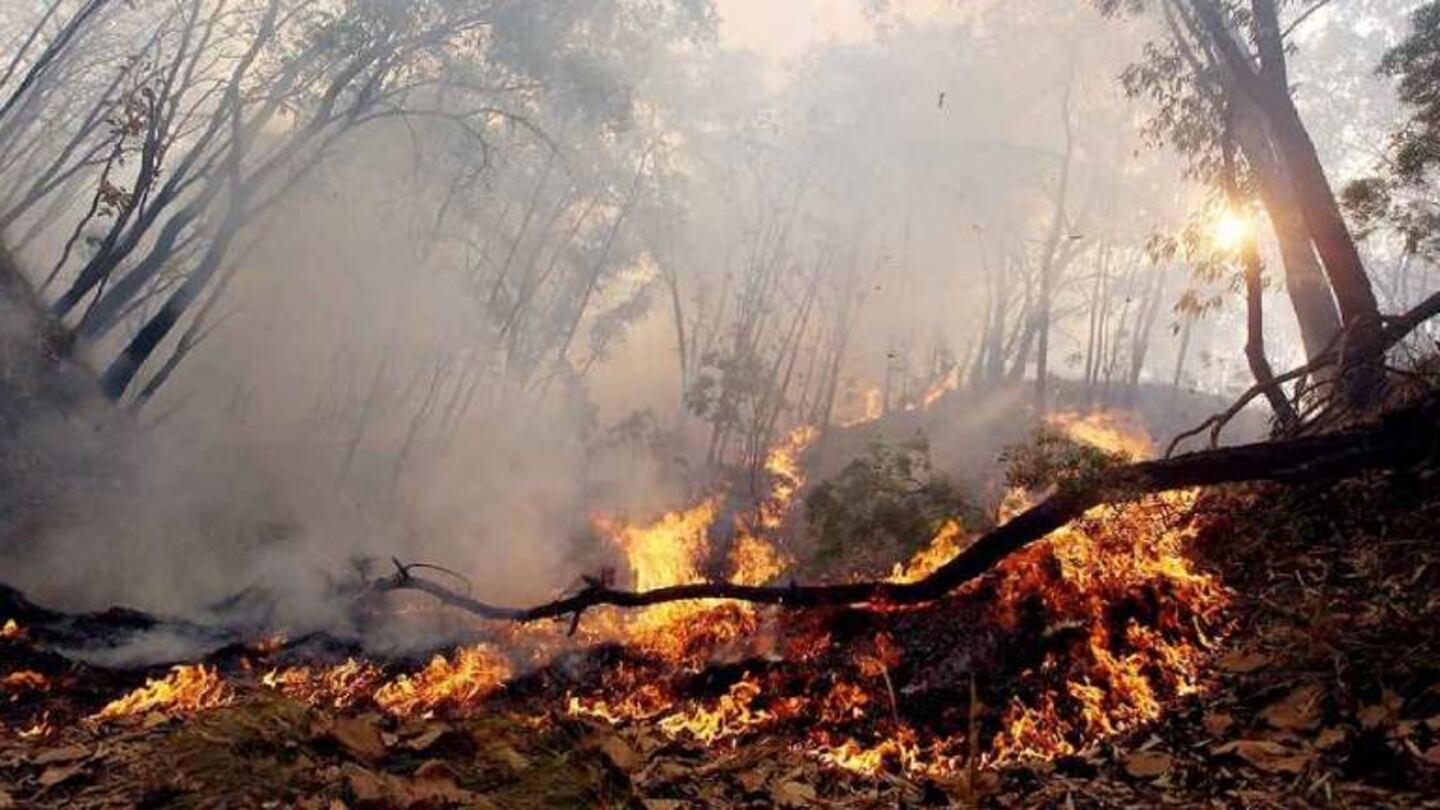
[[782, 28]]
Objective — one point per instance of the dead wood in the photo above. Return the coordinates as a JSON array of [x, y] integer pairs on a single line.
[[1400, 439]]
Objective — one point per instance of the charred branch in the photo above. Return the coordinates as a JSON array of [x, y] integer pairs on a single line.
[[1401, 439]]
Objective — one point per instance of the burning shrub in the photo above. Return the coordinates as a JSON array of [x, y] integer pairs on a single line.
[[883, 507]]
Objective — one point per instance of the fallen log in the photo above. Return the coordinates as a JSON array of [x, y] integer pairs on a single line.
[[1403, 438]]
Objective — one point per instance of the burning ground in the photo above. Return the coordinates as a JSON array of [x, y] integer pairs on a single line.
[[1105, 666]]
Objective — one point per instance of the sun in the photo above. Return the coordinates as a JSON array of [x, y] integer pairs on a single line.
[[1231, 230]]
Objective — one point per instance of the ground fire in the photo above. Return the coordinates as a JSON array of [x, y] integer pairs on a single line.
[[1113, 618], [688, 404]]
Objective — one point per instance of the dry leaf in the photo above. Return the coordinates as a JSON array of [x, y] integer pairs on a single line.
[[750, 781], [513, 759], [5, 801], [1297, 711], [432, 786], [426, 740], [359, 736], [619, 752], [1148, 764], [1267, 755], [1330, 737], [1382, 713], [1432, 755], [1218, 723], [68, 753], [55, 774], [367, 786], [792, 794], [1242, 661]]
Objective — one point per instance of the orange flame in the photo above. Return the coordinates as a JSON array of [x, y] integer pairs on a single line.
[[1113, 431], [949, 382], [12, 630], [188, 688], [475, 673], [339, 686], [948, 542]]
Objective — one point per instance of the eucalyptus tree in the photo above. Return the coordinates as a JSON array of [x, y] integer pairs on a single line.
[[234, 105], [1222, 66]]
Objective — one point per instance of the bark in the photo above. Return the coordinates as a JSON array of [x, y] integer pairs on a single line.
[[1361, 368], [1315, 309]]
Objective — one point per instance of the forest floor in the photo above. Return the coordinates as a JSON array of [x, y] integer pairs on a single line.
[[1325, 692]]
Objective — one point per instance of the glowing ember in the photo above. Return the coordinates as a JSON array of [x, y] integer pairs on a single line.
[[12, 630], [188, 688], [269, 644], [474, 674], [25, 680], [42, 727]]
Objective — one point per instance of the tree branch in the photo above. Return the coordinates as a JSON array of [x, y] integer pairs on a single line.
[[1402, 438]]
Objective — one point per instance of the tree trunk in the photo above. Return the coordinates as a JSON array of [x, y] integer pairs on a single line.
[[1315, 309]]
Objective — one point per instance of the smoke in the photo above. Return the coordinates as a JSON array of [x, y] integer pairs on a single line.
[[459, 334]]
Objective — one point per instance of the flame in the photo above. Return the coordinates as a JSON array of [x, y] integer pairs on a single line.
[[947, 383], [188, 688], [475, 673], [668, 551], [1085, 575], [1107, 616], [787, 475], [755, 561], [734, 713], [872, 407], [41, 728], [12, 630], [948, 542], [339, 686], [899, 753], [1112, 431]]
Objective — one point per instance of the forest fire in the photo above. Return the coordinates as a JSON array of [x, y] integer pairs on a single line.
[[1111, 603], [487, 403], [1111, 617]]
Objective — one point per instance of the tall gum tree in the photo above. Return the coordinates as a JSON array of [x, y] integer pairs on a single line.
[[1217, 54]]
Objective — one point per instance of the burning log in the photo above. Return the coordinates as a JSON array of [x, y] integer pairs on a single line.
[[1403, 438]]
